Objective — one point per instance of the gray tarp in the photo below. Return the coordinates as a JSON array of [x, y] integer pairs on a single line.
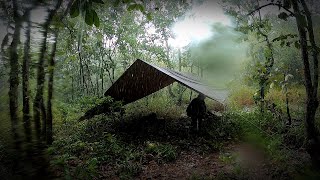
[[142, 79]]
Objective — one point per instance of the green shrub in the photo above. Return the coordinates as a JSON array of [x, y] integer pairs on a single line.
[[163, 151], [158, 103], [127, 170], [87, 170], [261, 130], [227, 158], [241, 97], [222, 128]]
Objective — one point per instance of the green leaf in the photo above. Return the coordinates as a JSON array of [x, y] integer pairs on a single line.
[[297, 44], [288, 44], [284, 37], [98, 1], [149, 16], [267, 53], [138, 7], [96, 20], [89, 17], [132, 7], [116, 3], [283, 16], [74, 9]]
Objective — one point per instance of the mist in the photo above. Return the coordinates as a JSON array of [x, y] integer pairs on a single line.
[[221, 55]]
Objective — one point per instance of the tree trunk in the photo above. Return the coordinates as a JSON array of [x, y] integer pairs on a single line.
[[181, 89], [313, 146], [72, 88], [39, 108], [191, 70], [91, 89], [97, 85], [50, 89], [268, 65], [25, 82], [14, 79], [82, 81], [38, 102], [288, 110], [102, 84], [287, 99]]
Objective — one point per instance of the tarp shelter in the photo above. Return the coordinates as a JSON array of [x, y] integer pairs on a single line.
[[142, 79]]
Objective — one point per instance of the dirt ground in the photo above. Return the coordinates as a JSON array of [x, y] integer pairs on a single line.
[[193, 162], [228, 163], [193, 165]]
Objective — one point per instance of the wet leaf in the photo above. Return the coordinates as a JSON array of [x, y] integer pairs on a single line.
[[98, 1], [149, 16], [89, 19], [96, 19], [283, 16], [74, 10], [297, 44], [138, 7]]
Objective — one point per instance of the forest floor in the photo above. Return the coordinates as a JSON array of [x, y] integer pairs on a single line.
[[213, 155], [195, 160], [235, 161], [223, 164], [196, 156]]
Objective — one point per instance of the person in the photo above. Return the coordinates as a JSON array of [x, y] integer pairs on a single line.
[[197, 110]]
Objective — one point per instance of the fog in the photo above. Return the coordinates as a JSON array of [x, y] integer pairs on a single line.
[[221, 55]]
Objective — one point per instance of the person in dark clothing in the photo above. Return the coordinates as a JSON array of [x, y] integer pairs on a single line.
[[197, 110]]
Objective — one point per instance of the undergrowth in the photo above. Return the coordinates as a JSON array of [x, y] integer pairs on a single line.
[[156, 129], [284, 146]]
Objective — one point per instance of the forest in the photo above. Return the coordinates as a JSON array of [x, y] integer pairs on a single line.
[[159, 89]]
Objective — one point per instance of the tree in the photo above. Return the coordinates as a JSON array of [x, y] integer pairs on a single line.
[[306, 44], [39, 107], [50, 89], [25, 81], [14, 73], [305, 28]]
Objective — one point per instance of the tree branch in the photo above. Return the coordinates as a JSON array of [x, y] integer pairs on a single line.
[[272, 4]]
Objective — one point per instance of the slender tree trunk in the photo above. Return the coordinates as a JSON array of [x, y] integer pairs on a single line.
[[14, 76], [287, 99], [288, 110], [268, 65], [313, 132], [25, 82], [72, 88], [38, 102], [191, 70], [113, 74], [89, 79], [39, 107], [313, 146], [50, 89], [102, 83], [83, 83], [180, 87], [97, 85]]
